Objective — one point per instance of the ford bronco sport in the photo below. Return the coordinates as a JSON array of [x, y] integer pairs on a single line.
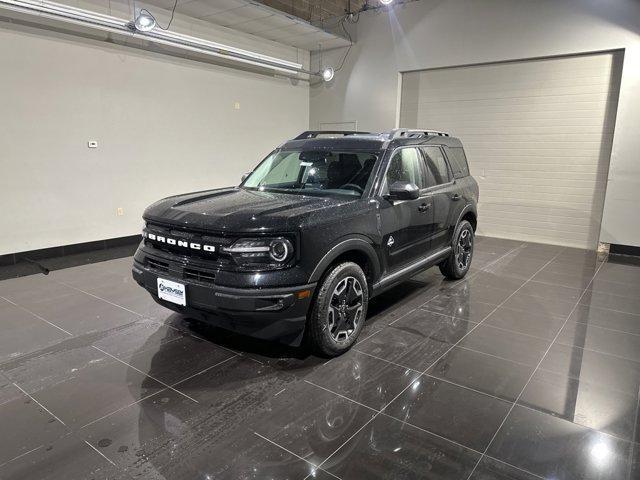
[[325, 222]]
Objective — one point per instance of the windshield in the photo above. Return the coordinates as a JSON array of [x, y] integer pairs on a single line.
[[314, 172]]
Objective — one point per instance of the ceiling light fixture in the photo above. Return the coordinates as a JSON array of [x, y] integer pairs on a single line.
[[145, 22], [327, 74], [87, 18], [386, 2]]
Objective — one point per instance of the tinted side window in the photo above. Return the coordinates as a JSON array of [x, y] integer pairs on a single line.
[[438, 172], [407, 166], [458, 162]]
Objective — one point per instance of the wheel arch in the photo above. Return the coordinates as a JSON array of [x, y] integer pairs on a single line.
[[355, 249], [468, 213]]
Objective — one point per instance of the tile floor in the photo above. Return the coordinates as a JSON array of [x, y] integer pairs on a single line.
[[528, 368]]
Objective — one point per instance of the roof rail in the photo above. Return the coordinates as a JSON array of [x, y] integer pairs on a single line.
[[316, 133], [414, 133]]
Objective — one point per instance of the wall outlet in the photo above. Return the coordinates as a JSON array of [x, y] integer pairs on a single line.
[[236, 105], [120, 211], [92, 144]]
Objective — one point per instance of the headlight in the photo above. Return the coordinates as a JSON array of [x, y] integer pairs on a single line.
[[261, 252]]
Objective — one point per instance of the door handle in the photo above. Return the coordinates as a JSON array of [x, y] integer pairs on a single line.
[[424, 207], [456, 196]]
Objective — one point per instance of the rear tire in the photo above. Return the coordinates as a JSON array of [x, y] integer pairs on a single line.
[[339, 310], [458, 262]]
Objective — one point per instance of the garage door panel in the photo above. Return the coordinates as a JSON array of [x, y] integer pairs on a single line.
[[538, 137]]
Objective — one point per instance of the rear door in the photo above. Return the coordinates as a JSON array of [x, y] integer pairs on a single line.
[[405, 224], [442, 188]]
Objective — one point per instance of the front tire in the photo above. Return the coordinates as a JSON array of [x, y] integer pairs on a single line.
[[458, 262], [339, 310]]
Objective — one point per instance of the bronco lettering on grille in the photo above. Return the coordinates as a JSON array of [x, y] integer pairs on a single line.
[[178, 242]]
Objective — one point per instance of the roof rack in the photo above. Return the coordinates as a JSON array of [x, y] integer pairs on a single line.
[[316, 133], [414, 133]]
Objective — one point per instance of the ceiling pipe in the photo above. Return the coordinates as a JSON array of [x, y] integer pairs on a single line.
[[87, 18]]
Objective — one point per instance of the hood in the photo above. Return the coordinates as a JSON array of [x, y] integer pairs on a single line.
[[240, 210]]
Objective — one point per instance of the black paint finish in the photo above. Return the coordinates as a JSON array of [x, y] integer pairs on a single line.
[[97, 381], [390, 237]]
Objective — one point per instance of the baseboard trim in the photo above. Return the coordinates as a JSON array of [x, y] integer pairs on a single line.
[[624, 250], [66, 250]]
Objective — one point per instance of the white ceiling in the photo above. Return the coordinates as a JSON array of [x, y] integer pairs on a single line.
[[254, 18]]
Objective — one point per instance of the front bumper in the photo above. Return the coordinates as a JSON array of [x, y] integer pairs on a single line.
[[268, 313]]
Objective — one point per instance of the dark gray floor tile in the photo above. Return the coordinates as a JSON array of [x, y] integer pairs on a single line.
[[542, 305], [236, 454], [520, 271], [25, 425], [573, 280], [485, 373], [527, 322], [624, 322], [472, 311], [505, 344], [51, 366], [475, 292], [173, 361], [620, 273], [491, 469], [434, 326], [363, 378], [555, 448], [612, 302], [95, 390], [624, 289], [450, 411], [404, 348], [237, 389], [399, 301], [315, 431], [546, 290], [593, 367], [581, 268], [588, 404], [626, 345], [22, 333], [66, 458], [144, 334], [132, 296], [387, 448], [488, 279], [32, 288], [80, 313], [150, 428]]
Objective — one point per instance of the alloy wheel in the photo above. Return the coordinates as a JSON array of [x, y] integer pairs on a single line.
[[345, 308], [463, 249]]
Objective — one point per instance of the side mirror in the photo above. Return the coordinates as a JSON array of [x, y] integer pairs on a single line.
[[244, 176], [403, 191]]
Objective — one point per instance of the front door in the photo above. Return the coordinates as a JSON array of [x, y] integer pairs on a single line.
[[406, 223]]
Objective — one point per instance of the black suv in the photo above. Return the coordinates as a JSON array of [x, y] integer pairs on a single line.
[[324, 223]]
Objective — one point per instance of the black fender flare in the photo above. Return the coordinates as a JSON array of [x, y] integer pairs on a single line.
[[359, 243], [465, 210]]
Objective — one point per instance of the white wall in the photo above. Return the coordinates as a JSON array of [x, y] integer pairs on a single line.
[[438, 33], [164, 125]]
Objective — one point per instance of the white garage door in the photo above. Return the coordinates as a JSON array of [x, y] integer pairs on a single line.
[[537, 135]]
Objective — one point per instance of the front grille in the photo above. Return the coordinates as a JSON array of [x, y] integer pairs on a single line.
[[188, 243], [199, 275], [157, 265]]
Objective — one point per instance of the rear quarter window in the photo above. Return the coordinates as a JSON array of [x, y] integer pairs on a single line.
[[458, 162]]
